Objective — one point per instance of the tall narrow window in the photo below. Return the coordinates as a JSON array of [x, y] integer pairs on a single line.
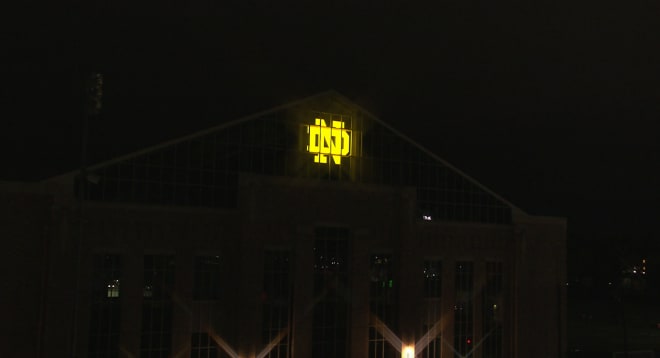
[[157, 306], [431, 328], [330, 320], [105, 306], [463, 310], [492, 311], [207, 285], [383, 305], [276, 299]]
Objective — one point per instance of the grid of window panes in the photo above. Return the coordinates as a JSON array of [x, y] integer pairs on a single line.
[[208, 278], [203, 170], [330, 314], [492, 311], [432, 279], [383, 305], [463, 308], [202, 346], [210, 338], [442, 193], [156, 338], [105, 315], [276, 303], [433, 346], [432, 274]]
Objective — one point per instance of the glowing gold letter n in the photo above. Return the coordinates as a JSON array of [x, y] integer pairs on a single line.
[[324, 141]]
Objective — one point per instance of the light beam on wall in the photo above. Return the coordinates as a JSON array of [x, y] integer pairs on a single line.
[[269, 347]]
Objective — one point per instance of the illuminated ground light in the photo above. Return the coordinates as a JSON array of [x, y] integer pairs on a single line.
[[408, 352]]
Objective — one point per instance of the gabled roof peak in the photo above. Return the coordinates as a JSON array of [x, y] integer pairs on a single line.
[[330, 99]]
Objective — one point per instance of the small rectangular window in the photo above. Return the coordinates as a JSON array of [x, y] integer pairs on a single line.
[[432, 278], [208, 278]]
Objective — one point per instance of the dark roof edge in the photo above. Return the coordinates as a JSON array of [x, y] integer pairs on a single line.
[[433, 155], [192, 135], [21, 187]]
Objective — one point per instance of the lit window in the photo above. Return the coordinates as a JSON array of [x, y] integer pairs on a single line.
[[148, 291], [113, 288], [330, 324], [105, 310]]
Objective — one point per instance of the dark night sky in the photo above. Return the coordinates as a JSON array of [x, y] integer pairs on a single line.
[[553, 104]]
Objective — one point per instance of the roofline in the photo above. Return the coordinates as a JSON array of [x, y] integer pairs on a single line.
[[433, 155], [20, 187], [193, 135], [279, 108]]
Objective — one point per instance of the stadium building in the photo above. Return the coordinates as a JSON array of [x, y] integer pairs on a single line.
[[309, 230]]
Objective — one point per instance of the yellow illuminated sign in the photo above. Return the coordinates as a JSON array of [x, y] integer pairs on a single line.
[[323, 141]]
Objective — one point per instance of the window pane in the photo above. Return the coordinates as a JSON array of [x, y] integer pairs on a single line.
[[276, 298], [208, 279], [157, 306], [330, 316], [105, 315]]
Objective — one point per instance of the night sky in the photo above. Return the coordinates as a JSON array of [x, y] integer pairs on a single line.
[[552, 104]]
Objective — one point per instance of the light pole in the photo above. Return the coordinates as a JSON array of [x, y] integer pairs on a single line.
[[92, 93]]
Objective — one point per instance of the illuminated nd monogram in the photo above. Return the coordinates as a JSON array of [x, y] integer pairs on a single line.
[[323, 141]]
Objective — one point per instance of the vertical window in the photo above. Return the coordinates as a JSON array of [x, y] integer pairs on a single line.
[[492, 311], [203, 346], [208, 270], [432, 274], [276, 298], [330, 320], [157, 306], [432, 279], [463, 310], [105, 306], [383, 305]]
